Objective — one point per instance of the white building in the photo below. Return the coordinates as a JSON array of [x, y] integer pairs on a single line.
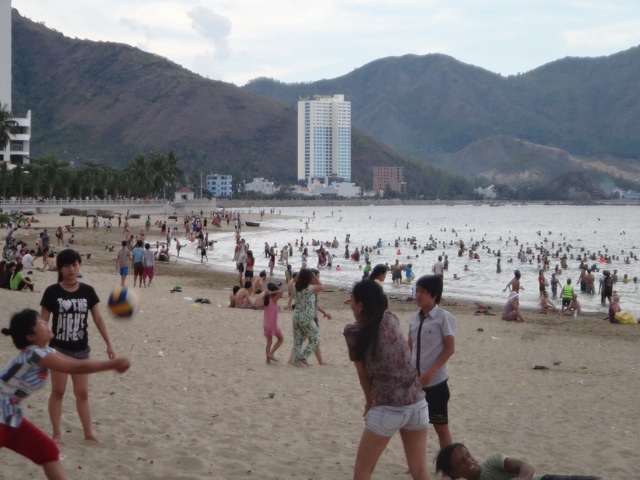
[[340, 189], [5, 52], [489, 192], [184, 195], [260, 185], [324, 138], [219, 185], [17, 150], [324, 187]]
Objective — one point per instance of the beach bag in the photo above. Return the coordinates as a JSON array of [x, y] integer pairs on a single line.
[[626, 318]]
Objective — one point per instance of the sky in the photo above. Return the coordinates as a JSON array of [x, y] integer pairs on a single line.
[[308, 40]]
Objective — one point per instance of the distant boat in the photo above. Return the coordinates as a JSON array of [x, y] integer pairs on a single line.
[[252, 224]]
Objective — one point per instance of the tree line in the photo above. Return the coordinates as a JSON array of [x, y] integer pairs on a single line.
[[155, 175]]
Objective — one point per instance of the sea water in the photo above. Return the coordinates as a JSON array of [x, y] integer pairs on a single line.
[[610, 230]]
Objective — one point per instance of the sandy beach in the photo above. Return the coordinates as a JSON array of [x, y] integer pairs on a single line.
[[200, 402]]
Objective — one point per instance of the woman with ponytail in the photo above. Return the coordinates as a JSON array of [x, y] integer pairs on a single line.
[[394, 400]]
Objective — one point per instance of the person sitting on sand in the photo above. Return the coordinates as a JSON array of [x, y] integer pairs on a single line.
[[455, 461], [511, 311], [164, 255], [614, 308], [243, 296], [50, 264], [574, 306], [545, 303], [18, 281], [232, 296], [258, 281]]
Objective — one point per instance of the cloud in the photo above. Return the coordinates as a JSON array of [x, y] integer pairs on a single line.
[[214, 27], [141, 29], [299, 40], [615, 35]]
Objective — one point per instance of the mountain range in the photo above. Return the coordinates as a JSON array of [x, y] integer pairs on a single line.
[[103, 102], [107, 102], [582, 112]]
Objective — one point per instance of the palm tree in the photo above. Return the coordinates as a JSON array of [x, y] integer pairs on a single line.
[[175, 174], [8, 126], [36, 174], [55, 173], [4, 177], [154, 174], [89, 176], [18, 180], [139, 170], [125, 183], [67, 180], [109, 178], [158, 173]]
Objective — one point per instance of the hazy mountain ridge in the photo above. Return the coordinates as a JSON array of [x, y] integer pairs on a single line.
[[433, 106], [107, 102]]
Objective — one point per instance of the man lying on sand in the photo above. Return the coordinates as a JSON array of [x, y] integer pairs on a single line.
[[455, 461]]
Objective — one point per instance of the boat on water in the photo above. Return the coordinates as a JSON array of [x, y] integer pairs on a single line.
[[252, 224]]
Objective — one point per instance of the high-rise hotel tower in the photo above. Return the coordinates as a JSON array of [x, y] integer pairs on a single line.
[[324, 138], [17, 150]]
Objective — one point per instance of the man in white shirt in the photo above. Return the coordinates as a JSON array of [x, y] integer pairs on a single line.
[[27, 259]]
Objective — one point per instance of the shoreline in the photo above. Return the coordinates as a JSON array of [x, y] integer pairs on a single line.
[[168, 207], [186, 266]]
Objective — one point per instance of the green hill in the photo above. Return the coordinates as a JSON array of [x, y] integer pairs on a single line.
[[434, 106], [105, 102]]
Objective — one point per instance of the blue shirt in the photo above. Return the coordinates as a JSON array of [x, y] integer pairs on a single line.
[[137, 254]]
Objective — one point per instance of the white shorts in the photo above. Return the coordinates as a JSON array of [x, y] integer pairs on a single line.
[[386, 421]]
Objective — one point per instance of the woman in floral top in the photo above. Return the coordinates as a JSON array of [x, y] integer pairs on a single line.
[[304, 328], [394, 397]]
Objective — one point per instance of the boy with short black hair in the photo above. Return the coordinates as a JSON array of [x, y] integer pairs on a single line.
[[432, 342]]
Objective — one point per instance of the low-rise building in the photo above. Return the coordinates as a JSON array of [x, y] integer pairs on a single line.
[[219, 185], [389, 177], [326, 187], [260, 185], [488, 192], [184, 194]]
